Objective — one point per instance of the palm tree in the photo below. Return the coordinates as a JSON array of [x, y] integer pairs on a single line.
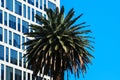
[[58, 45]]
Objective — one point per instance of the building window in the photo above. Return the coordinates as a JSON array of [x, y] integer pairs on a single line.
[[23, 41], [5, 35], [28, 76], [20, 59], [31, 2], [28, 12], [1, 52], [7, 54], [40, 14], [45, 5], [16, 41], [24, 26], [18, 7], [5, 18], [51, 5], [1, 34], [32, 14], [2, 72], [19, 21], [37, 3], [1, 16], [10, 37], [18, 74], [9, 5], [12, 21], [24, 10], [2, 3], [24, 75], [9, 73], [24, 62], [40, 4], [13, 56]]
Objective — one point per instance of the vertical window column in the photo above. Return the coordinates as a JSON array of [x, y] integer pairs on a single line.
[[10, 38], [1, 34], [9, 5], [16, 41], [2, 3], [19, 24], [33, 14], [29, 12], [12, 21], [5, 18], [5, 35], [2, 72], [1, 18], [40, 4], [13, 56], [7, 54], [9, 73], [1, 52], [24, 10], [18, 74], [18, 8], [24, 26]]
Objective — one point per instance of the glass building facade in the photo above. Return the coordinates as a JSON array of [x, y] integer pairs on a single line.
[[15, 16]]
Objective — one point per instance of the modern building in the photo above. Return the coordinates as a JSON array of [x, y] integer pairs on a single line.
[[15, 16]]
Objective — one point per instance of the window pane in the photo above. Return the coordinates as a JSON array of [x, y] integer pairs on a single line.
[[40, 14], [1, 52], [20, 59], [12, 21], [32, 14], [28, 12], [1, 16], [24, 62], [9, 5], [51, 5], [2, 72], [23, 41], [5, 18], [5, 35], [36, 3], [10, 37], [13, 56], [18, 74], [28, 76], [31, 2], [7, 54], [1, 34], [40, 4], [18, 8], [2, 3], [19, 21], [45, 5], [24, 8], [9, 73], [16, 41], [24, 76], [24, 26]]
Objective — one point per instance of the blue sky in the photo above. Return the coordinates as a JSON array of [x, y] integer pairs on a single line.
[[104, 18]]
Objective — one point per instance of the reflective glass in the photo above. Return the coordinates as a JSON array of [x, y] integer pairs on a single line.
[[5, 18], [24, 10], [23, 41], [13, 56], [1, 52], [10, 37], [2, 3], [16, 41], [7, 54], [36, 3], [40, 14], [24, 75], [1, 16], [31, 2], [45, 5], [12, 21], [18, 7], [19, 21], [28, 12], [28, 76], [32, 14], [51, 5], [1, 34], [9, 5], [18, 74], [2, 72], [20, 59], [40, 4], [24, 26], [24, 62], [9, 73], [5, 35]]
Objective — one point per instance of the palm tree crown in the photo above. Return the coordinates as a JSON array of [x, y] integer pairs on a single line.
[[58, 44]]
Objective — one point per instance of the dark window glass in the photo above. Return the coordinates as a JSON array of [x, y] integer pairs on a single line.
[[18, 74], [16, 41], [23, 41], [40, 4], [24, 26], [28, 12], [9, 5], [5, 35], [2, 3], [19, 21], [31, 2], [45, 5], [36, 3], [5, 18], [24, 62], [10, 37], [9, 73], [40, 14], [12, 21], [51, 5], [28, 76], [24, 75], [1, 16], [32, 14], [1, 34], [1, 52], [38, 78], [20, 59], [7, 54], [13, 56], [24, 10], [18, 7], [2, 72]]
